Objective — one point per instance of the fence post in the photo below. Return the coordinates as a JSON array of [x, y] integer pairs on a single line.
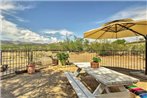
[[28, 52], [31, 58], [1, 56], [146, 55]]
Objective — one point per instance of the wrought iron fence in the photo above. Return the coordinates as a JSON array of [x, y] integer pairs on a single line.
[[17, 60], [124, 59]]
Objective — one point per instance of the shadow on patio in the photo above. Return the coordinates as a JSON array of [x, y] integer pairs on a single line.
[[47, 83]]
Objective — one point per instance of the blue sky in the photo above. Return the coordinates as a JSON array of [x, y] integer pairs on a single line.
[[48, 21]]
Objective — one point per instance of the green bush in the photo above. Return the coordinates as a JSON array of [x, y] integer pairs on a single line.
[[63, 57], [104, 53], [96, 59]]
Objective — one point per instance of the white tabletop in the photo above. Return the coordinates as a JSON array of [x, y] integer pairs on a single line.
[[82, 64], [106, 76]]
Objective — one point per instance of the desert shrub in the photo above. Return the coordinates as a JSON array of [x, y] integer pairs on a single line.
[[63, 57], [105, 53]]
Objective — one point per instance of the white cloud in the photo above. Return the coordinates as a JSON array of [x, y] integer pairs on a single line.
[[100, 21], [135, 13], [54, 39], [10, 8], [13, 6], [1, 17], [66, 33], [5, 6], [14, 16], [62, 32], [11, 31], [57, 35]]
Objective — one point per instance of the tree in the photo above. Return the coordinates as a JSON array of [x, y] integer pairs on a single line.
[[119, 41]]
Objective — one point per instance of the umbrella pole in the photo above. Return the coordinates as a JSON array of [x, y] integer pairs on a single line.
[[146, 55]]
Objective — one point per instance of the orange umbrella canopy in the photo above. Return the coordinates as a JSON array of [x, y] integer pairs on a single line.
[[118, 29]]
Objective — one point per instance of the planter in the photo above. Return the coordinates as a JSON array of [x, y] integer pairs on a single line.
[[94, 65], [31, 68]]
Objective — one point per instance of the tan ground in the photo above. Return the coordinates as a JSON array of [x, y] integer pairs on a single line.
[[50, 82]]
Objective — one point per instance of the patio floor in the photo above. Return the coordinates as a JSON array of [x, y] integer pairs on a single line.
[[44, 84], [48, 83]]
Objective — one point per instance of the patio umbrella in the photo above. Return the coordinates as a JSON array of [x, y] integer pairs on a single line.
[[119, 29]]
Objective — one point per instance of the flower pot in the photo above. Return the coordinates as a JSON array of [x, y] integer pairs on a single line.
[[31, 68], [94, 65]]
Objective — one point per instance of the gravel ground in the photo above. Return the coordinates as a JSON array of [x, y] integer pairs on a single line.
[[49, 82]]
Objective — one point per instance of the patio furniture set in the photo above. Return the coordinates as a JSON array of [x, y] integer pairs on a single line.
[[106, 78]]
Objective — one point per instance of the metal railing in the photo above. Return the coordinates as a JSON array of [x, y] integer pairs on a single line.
[[124, 59], [17, 60]]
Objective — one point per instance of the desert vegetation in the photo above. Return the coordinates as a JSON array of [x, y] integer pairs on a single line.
[[78, 45]]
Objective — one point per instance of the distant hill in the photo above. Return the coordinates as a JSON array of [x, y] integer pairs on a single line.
[[18, 42], [137, 42], [10, 42]]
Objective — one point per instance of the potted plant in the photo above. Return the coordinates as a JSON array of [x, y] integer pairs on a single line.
[[31, 68], [95, 62], [63, 57]]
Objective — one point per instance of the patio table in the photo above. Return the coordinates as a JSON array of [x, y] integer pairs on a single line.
[[107, 78]]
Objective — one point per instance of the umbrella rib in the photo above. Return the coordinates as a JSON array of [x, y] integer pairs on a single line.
[[115, 27], [103, 33], [112, 30], [122, 28], [97, 31], [94, 32], [132, 30], [125, 26], [116, 30]]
